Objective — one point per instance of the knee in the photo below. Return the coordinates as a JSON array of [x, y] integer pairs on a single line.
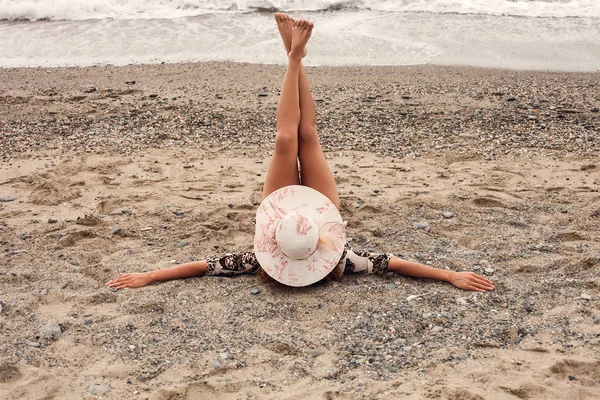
[[308, 133], [286, 141]]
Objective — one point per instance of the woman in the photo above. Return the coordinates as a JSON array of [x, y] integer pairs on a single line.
[[298, 173]]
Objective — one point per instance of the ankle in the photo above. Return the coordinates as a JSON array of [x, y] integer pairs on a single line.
[[295, 57]]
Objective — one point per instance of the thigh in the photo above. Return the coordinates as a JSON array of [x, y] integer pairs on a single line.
[[314, 170], [282, 171]]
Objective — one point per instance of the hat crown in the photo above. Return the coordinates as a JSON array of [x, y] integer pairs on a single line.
[[297, 235]]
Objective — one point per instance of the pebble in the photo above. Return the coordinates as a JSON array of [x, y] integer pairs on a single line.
[[572, 378], [6, 199], [216, 364], [421, 225], [448, 214], [51, 329], [116, 231], [412, 297], [255, 291], [0, 308], [100, 389], [511, 99], [316, 352], [262, 94], [532, 117], [25, 236], [585, 296], [462, 301], [407, 349], [437, 328], [429, 315], [52, 221], [33, 344], [595, 110], [489, 271], [182, 243], [528, 305]]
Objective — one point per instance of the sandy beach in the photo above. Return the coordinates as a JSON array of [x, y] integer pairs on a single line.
[[136, 168]]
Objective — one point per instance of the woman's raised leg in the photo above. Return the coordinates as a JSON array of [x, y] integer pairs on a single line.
[[283, 169], [314, 169]]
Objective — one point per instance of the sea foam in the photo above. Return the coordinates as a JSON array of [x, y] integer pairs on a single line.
[[168, 9]]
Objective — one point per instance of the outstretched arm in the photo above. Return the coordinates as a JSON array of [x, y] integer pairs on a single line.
[[136, 280], [463, 280]]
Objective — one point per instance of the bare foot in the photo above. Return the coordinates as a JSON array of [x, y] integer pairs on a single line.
[[300, 34], [285, 24]]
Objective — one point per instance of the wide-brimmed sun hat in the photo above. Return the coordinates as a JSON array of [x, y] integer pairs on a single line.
[[300, 235]]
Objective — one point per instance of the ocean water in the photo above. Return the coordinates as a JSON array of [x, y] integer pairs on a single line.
[[519, 34]]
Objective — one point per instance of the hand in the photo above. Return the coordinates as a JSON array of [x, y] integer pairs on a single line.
[[471, 281], [135, 280]]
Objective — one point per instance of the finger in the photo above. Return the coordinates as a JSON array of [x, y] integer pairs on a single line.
[[485, 283], [115, 281], [483, 278], [481, 286]]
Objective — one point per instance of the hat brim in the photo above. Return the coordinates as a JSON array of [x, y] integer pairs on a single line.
[[332, 236]]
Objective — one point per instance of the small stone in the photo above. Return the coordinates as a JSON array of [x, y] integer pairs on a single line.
[[572, 378], [88, 322], [26, 275], [130, 82], [448, 214], [33, 344], [90, 90], [595, 110], [224, 356], [52, 330], [52, 221], [528, 305], [489, 271], [412, 297], [153, 96], [437, 328], [420, 225], [531, 117], [407, 349], [462, 301], [429, 315], [0, 308], [316, 352], [6, 199], [179, 213], [255, 291], [230, 205], [182, 243], [585, 296], [511, 99], [406, 97], [116, 231], [99, 389], [216, 364], [25, 236], [262, 94]]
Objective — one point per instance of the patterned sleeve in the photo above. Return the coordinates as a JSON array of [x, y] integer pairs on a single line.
[[365, 262], [233, 264]]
